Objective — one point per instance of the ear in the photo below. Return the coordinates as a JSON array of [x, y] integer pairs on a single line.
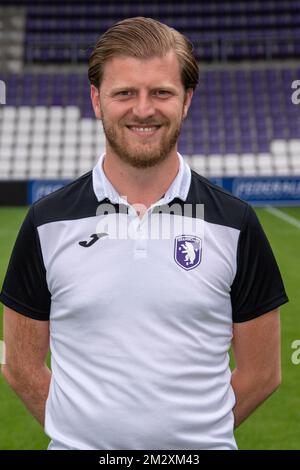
[[95, 98], [187, 101]]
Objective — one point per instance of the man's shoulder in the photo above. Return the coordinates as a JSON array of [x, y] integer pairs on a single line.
[[220, 206], [75, 200]]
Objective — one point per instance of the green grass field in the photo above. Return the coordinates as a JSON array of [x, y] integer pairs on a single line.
[[275, 425]]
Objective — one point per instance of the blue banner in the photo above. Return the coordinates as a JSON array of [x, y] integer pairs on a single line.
[[262, 191], [258, 191], [41, 188]]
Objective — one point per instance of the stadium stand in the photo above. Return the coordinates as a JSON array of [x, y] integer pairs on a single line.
[[242, 120], [219, 29]]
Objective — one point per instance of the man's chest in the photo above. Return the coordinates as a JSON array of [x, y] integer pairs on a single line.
[[162, 265]]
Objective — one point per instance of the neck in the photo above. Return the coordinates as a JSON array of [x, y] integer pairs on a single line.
[[142, 186]]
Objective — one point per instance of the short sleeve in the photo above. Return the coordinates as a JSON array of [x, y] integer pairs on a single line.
[[258, 287], [25, 287]]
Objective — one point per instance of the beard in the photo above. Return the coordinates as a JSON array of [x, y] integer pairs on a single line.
[[143, 154]]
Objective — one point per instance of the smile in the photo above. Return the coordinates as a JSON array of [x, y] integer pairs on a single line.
[[144, 131]]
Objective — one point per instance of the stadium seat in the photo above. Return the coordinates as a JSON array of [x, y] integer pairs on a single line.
[[238, 114], [220, 29]]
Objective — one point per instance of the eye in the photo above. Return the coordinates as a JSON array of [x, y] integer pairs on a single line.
[[163, 93], [124, 93]]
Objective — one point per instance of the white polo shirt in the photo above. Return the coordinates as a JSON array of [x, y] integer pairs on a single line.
[[141, 310]]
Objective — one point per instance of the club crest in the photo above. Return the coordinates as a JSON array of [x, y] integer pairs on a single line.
[[187, 251]]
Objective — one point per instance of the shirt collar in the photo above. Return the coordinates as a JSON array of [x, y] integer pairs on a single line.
[[179, 187]]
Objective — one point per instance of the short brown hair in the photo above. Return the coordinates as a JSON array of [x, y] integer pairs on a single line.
[[143, 38]]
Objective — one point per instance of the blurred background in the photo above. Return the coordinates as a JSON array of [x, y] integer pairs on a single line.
[[242, 132]]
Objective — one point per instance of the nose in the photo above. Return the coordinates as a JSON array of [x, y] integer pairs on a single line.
[[143, 107]]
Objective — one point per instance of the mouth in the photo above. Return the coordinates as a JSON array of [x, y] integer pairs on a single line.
[[144, 131]]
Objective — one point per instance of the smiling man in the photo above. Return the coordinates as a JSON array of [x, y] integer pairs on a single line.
[[142, 104], [140, 326]]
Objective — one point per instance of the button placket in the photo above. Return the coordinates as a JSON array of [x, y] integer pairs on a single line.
[[141, 241]]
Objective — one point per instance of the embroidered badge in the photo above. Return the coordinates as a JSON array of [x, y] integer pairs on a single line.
[[187, 251]]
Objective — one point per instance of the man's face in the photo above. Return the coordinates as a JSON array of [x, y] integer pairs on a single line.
[[142, 104]]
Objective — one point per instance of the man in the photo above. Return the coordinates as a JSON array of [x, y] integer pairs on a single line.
[[140, 326]]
